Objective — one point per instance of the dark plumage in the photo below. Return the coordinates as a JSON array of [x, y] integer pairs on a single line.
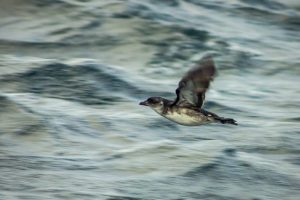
[[190, 94]]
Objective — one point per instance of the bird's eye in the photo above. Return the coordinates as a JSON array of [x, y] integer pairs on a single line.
[[150, 100]]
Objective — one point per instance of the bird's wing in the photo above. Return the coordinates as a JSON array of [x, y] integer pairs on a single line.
[[192, 87]]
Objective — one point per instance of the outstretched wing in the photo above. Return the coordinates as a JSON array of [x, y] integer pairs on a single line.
[[192, 87]]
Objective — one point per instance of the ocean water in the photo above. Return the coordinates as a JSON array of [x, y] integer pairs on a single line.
[[73, 72]]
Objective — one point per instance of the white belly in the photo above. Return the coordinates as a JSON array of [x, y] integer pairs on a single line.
[[188, 120]]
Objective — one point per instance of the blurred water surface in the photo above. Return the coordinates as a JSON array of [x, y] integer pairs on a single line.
[[72, 74]]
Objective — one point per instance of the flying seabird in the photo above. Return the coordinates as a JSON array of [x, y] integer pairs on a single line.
[[187, 109]]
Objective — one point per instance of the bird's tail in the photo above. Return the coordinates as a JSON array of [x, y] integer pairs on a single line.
[[227, 121], [217, 118]]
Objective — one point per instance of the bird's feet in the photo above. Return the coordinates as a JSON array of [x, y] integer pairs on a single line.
[[228, 121]]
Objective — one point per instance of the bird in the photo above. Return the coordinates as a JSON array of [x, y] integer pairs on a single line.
[[187, 108]]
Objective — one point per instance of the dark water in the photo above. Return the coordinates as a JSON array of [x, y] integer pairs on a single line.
[[72, 74]]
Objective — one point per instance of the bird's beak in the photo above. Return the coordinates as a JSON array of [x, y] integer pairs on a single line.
[[144, 103]]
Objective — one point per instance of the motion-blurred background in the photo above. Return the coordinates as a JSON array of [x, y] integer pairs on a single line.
[[72, 73]]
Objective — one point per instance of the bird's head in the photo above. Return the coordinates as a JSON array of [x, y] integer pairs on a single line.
[[153, 102]]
